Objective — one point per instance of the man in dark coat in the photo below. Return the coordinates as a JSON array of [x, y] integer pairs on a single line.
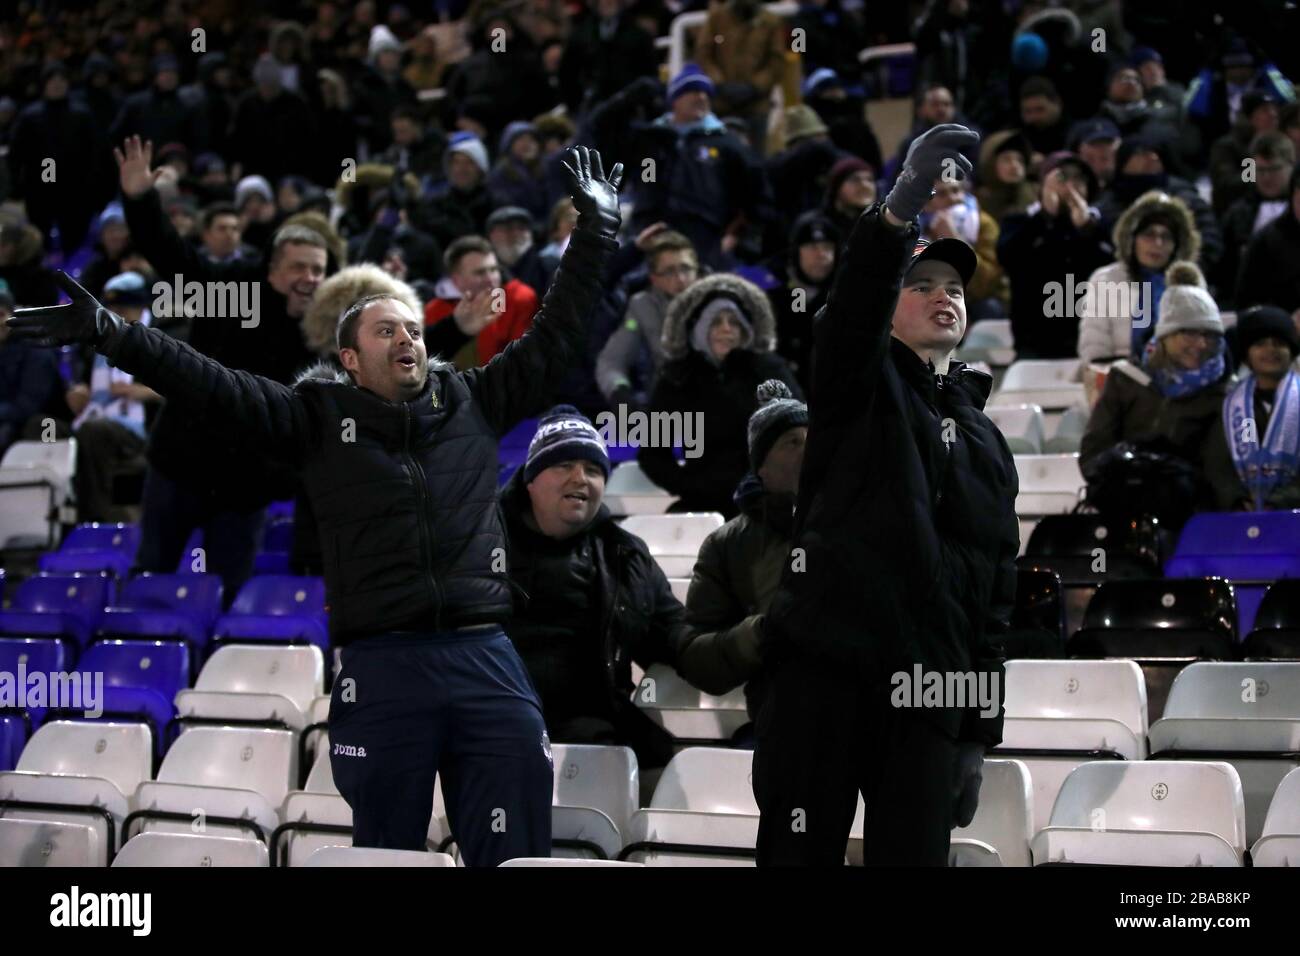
[[274, 131], [594, 600], [903, 568], [606, 51], [1270, 267], [161, 114], [398, 456]]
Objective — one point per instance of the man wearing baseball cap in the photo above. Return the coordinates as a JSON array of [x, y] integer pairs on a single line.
[[903, 567]]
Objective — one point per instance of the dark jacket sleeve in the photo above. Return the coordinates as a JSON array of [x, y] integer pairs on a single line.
[[444, 338], [1105, 424], [154, 236], [257, 411], [722, 646], [655, 460], [667, 623], [520, 380], [851, 337], [36, 384]]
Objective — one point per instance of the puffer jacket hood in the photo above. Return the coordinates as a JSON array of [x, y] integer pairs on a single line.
[[342, 289], [685, 310], [371, 176], [1187, 237]]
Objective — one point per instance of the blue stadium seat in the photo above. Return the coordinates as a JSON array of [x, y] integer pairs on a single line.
[[186, 563], [276, 607], [1276, 635], [1250, 549], [178, 607], [93, 548], [44, 654], [141, 679], [58, 605], [278, 535], [279, 509]]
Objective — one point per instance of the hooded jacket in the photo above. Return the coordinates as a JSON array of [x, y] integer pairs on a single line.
[[1270, 268], [721, 395], [404, 493], [637, 619], [1106, 325], [997, 198], [905, 528]]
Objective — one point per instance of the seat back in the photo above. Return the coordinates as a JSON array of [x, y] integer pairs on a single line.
[[119, 753], [294, 671], [707, 779], [368, 856], [1004, 816], [1163, 604], [239, 758], [80, 595], [673, 535], [94, 536], [1021, 426], [49, 843], [604, 778], [278, 594], [1231, 689], [194, 595], [1246, 533], [45, 654], [191, 849], [1077, 690], [1280, 608], [161, 665]]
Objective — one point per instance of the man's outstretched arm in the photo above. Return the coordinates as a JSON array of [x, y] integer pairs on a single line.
[[256, 410], [522, 379]]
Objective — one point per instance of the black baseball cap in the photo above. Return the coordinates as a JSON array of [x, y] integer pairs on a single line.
[[952, 251]]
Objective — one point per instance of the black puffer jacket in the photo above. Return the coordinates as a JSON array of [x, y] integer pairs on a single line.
[[908, 541], [404, 493]]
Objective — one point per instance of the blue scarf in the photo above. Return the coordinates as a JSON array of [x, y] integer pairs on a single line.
[[1264, 464], [1145, 306], [1180, 382]]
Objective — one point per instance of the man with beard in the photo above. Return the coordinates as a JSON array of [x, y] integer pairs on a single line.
[[510, 230], [399, 459]]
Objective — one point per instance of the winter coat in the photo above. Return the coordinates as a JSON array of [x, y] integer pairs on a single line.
[[997, 198], [794, 328], [443, 337], [406, 500], [1270, 269], [723, 396], [1127, 191], [1238, 230], [275, 137], [1230, 492], [639, 620], [736, 576], [67, 133], [751, 52], [1131, 409], [593, 68], [1039, 253], [162, 117], [455, 213], [377, 95], [640, 335], [907, 541]]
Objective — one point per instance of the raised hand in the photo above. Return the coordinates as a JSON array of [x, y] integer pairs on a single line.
[[133, 162], [932, 154], [81, 320], [594, 196]]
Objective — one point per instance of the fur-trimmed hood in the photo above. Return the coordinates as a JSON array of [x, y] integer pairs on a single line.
[[331, 373], [339, 291], [371, 176], [1184, 224], [685, 309]]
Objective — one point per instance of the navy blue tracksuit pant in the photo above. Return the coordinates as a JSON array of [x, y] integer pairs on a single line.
[[458, 704]]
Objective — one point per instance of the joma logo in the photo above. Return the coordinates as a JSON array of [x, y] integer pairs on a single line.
[[346, 750]]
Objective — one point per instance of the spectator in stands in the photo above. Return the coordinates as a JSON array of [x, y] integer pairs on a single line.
[[811, 252], [97, 93], [29, 378], [55, 130], [746, 62], [705, 183], [719, 340], [1166, 97], [221, 235], [1259, 115], [336, 123], [287, 43], [945, 44], [833, 38], [426, 67], [843, 113], [258, 217], [274, 131], [849, 612], [559, 227], [518, 178], [1150, 235], [462, 209], [209, 180], [798, 172], [474, 316], [381, 89], [1217, 93], [1274, 158], [415, 147], [446, 695], [740, 564], [606, 50], [212, 96], [510, 230], [596, 602], [110, 427], [184, 216], [1004, 175], [1289, 123], [197, 479], [20, 264], [850, 189], [487, 90], [1270, 268], [1046, 250], [1259, 434], [934, 107], [160, 114], [1127, 107], [112, 246], [1140, 169], [629, 363], [953, 213], [1097, 143], [1170, 401], [1042, 118]]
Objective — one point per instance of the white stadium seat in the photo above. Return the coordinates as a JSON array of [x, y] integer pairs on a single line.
[[35, 482], [698, 839], [1221, 710], [687, 713], [1003, 825], [1049, 484], [120, 753], [561, 861], [597, 777], [191, 849], [1088, 708], [1146, 813], [674, 540], [681, 587], [709, 780], [1021, 426], [1069, 432], [295, 671], [366, 856], [1280, 843], [630, 492], [49, 843], [1054, 384]]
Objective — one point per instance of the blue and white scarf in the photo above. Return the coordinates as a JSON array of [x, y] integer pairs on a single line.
[[1174, 382], [1264, 464]]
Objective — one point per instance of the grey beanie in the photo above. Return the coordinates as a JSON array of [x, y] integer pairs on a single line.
[[777, 413], [1186, 305]]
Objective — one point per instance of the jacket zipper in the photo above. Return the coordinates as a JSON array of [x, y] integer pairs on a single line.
[[947, 450], [416, 471]]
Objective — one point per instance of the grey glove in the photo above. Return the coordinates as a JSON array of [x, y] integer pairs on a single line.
[[594, 196], [925, 162], [966, 779], [81, 320]]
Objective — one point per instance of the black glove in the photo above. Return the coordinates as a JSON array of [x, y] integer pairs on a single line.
[[926, 162], [594, 196], [967, 776], [81, 320]]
